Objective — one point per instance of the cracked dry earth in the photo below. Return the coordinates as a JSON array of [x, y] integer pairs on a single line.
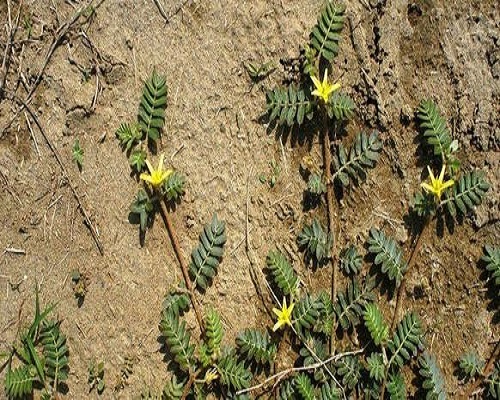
[[393, 54]]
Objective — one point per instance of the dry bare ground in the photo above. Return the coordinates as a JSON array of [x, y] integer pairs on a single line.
[[393, 54]]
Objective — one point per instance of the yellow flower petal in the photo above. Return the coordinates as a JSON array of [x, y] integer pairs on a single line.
[[145, 177], [325, 77], [150, 167], [448, 184], [316, 82], [428, 188], [441, 175], [431, 174]]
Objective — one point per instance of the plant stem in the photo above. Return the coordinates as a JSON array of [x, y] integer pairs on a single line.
[[327, 158], [184, 267], [486, 370], [411, 262], [189, 384], [401, 291]]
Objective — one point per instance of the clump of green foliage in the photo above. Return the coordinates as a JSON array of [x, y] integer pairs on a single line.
[[213, 364], [318, 327], [40, 359], [316, 242], [96, 377], [491, 259], [471, 366], [136, 138], [469, 188], [436, 134], [77, 154]]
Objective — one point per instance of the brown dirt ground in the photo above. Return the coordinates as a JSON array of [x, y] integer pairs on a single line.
[[446, 50]]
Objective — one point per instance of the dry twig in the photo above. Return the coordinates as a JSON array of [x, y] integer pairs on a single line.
[[165, 16], [279, 376], [10, 38], [52, 148], [61, 32]]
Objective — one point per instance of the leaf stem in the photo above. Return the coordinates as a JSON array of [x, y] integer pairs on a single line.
[[411, 262], [177, 249], [327, 158]]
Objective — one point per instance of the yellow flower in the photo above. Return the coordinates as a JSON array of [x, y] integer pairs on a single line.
[[210, 376], [324, 89], [284, 315], [156, 176], [437, 186]]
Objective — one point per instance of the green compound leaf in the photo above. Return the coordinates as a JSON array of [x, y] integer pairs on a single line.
[[330, 391], [327, 318], [467, 193], [176, 303], [319, 353], [129, 135], [173, 388], [351, 167], [143, 208], [306, 312], [282, 272], [206, 256], [340, 107], [173, 187], [214, 332], [316, 242], [349, 368], [289, 105], [177, 340], [471, 365], [396, 387], [309, 67], [351, 303], [256, 345], [304, 386], [491, 258], [424, 204], [19, 381], [387, 254], [287, 391], [55, 351], [376, 366], [315, 185], [433, 383], [493, 382], [151, 116], [437, 134], [351, 261], [325, 35], [407, 338], [375, 323], [137, 160], [233, 372]]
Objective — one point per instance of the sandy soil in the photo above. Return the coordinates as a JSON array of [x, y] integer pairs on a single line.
[[394, 54]]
